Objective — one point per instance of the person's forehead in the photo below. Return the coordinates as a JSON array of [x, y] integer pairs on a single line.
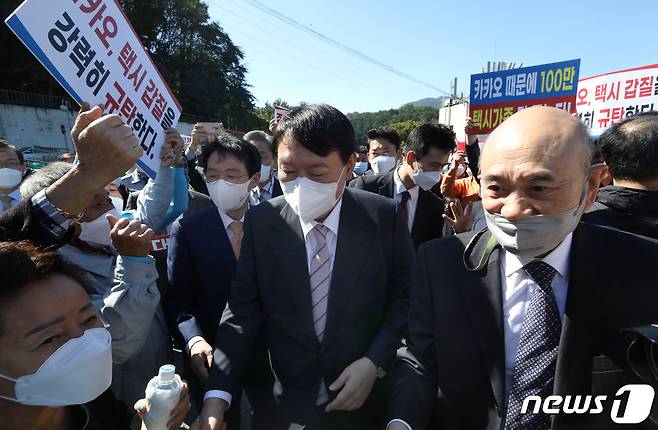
[[380, 143], [219, 161], [8, 154], [292, 152], [29, 308], [262, 146]]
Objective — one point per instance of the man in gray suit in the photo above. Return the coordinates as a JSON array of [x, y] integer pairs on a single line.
[[331, 322]]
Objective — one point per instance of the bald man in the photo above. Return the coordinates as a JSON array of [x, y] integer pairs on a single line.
[[530, 305]]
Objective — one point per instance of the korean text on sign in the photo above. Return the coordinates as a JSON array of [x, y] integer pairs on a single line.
[[91, 49], [497, 95], [605, 100]]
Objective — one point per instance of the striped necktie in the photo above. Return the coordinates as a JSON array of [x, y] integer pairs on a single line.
[[320, 277]]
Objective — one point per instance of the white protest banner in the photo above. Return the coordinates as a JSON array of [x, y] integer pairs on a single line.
[[279, 113], [91, 49], [606, 99]]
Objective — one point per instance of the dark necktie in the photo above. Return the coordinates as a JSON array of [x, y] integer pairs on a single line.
[[534, 367], [405, 204]]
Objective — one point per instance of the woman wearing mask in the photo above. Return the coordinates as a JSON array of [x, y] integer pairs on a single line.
[[56, 361]]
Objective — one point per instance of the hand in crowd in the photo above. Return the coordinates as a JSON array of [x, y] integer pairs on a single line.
[[172, 150], [355, 384], [462, 218], [130, 238], [201, 355], [471, 138], [177, 415], [459, 157], [273, 125], [212, 415], [106, 147]]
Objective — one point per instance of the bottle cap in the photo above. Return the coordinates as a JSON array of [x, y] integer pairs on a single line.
[[167, 373]]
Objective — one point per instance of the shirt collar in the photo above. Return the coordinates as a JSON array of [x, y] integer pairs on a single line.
[[401, 188], [227, 220], [558, 259], [331, 221]]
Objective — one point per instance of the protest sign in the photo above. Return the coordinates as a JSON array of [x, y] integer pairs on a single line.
[[496, 96], [279, 113], [91, 49], [606, 99]]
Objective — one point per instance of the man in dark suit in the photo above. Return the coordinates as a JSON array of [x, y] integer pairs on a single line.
[[414, 182], [332, 324], [630, 150], [204, 249], [269, 186], [525, 308]]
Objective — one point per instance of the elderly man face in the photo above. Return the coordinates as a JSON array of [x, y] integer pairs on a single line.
[[537, 163]]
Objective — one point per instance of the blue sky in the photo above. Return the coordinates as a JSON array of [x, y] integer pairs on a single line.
[[433, 41]]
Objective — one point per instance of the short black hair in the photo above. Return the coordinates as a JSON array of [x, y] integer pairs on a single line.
[[630, 148], [23, 263], [361, 149], [260, 136], [227, 144], [6, 145], [429, 135], [385, 133], [321, 129]]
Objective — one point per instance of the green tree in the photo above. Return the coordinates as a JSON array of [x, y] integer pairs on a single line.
[[404, 127], [362, 122]]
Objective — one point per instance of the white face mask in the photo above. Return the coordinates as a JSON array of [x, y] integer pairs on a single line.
[[98, 231], [426, 180], [536, 235], [310, 199], [265, 171], [77, 373], [228, 196], [382, 164], [10, 178]]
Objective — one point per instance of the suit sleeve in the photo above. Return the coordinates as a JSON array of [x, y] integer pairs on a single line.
[[414, 375], [382, 349], [357, 183], [241, 321], [473, 154], [180, 271]]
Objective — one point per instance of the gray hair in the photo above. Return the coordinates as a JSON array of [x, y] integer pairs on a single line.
[[260, 136], [43, 178]]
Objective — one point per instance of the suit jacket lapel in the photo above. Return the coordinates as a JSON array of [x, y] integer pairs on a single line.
[[482, 294], [353, 232], [291, 253]]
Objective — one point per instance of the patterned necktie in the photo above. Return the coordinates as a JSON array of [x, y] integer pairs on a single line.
[[236, 238], [534, 367], [406, 196], [320, 276]]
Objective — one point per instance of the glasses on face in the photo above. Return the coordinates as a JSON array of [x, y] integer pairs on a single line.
[[10, 164]]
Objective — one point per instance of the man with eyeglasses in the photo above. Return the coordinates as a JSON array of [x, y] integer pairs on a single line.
[[12, 169]]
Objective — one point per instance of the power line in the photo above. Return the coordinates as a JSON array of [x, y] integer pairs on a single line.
[[339, 45], [308, 52]]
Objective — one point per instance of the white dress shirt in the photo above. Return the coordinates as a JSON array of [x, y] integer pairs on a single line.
[[331, 222], [517, 290], [226, 221], [398, 189], [15, 197], [264, 193]]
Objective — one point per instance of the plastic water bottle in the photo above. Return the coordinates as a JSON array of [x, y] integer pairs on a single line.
[[163, 393]]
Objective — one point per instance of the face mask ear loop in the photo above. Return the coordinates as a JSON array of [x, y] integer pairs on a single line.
[[12, 380]]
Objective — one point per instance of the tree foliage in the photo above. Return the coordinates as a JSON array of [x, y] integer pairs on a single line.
[[197, 59], [403, 120]]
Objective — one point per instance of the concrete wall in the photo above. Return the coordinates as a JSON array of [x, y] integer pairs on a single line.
[[26, 126]]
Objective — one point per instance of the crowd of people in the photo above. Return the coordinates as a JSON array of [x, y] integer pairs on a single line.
[[297, 280]]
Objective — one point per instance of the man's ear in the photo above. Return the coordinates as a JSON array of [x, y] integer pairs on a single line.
[[592, 188], [410, 157], [255, 180], [23, 168]]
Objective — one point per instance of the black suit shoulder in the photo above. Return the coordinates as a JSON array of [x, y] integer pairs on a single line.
[[198, 218], [372, 183]]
